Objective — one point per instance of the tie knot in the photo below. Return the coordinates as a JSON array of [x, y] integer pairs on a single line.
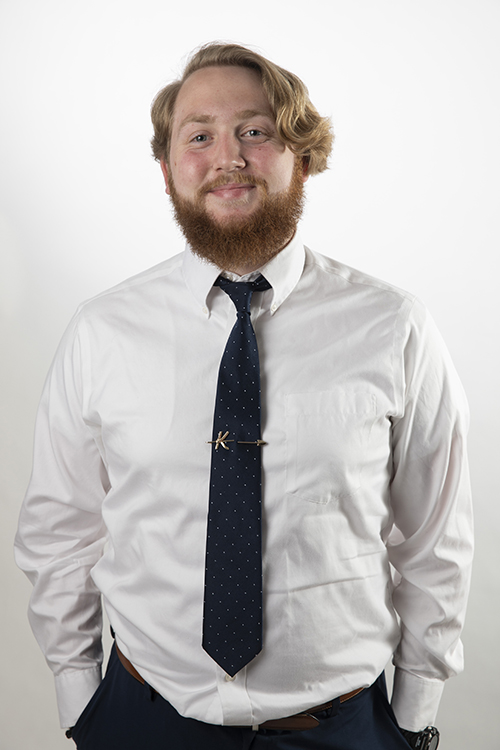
[[241, 291]]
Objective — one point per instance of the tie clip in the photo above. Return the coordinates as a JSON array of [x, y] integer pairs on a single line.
[[222, 440], [251, 442]]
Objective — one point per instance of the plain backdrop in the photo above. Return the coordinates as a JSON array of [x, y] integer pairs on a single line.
[[412, 196]]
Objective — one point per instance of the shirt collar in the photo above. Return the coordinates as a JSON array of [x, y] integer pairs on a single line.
[[283, 273]]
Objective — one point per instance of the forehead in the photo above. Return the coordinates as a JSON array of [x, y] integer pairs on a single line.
[[218, 92]]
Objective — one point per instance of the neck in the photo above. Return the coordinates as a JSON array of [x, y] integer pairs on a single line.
[[242, 269]]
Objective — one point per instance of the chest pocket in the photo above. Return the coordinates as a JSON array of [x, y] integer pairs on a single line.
[[327, 437]]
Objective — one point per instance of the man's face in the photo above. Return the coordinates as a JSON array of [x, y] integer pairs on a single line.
[[227, 168]]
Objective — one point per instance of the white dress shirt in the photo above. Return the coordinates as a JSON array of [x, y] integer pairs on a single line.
[[364, 420]]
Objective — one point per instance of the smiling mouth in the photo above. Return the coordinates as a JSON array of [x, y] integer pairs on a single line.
[[232, 190]]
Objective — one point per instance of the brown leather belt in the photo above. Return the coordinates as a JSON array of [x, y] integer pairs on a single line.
[[297, 722]]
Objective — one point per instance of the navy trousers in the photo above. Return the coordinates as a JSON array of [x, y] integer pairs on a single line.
[[125, 715]]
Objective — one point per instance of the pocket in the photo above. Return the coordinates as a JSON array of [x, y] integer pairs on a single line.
[[79, 730], [327, 437]]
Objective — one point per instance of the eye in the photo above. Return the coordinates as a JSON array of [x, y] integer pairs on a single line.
[[200, 138], [255, 134]]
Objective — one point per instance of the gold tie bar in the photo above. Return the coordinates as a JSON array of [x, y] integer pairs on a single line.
[[222, 440]]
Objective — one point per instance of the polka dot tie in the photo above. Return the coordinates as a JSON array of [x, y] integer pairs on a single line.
[[232, 616]]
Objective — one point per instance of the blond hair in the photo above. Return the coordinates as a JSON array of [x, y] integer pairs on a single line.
[[298, 122]]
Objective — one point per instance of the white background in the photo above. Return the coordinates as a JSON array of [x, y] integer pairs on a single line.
[[412, 196]]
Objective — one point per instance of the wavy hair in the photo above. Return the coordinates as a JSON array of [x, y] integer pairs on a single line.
[[298, 123]]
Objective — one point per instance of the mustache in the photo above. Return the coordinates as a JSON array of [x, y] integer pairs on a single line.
[[234, 179]]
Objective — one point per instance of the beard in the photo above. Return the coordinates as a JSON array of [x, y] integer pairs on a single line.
[[241, 242]]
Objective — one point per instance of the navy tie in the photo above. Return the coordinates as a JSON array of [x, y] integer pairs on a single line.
[[232, 616]]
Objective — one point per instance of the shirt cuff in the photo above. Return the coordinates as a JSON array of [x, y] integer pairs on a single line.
[[74, 690], [415, 700]]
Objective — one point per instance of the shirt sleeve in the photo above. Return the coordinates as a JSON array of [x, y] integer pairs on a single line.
[[430, 497], [61, 533]]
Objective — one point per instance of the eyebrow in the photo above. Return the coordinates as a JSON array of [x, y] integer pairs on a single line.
[[248, 113], [245, 114]]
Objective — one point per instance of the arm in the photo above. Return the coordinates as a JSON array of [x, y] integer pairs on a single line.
[[61, 532], [430, 498]]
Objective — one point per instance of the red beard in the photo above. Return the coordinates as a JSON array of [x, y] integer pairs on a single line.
[[241, 243]]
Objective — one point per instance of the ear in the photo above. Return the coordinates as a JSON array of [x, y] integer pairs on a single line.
[[305, 168], [164, 169]]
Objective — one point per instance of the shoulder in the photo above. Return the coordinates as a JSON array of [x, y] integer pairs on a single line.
[[133, 293], [333, 271], [359, 293]]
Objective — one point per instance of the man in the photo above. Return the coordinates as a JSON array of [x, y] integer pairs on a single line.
[[272, 629]]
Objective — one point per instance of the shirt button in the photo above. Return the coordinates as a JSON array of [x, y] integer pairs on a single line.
[[205, 310], [229, 678], [274, 308]]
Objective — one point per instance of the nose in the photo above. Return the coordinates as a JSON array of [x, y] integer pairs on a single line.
[[228, 154]]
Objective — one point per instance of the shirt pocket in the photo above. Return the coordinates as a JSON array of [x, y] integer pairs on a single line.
[[327, 438]]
